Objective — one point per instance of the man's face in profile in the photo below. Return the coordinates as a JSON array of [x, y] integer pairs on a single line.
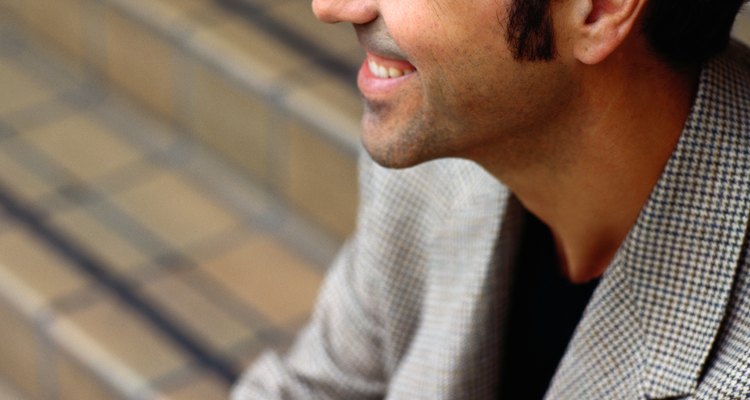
[[440, 80]]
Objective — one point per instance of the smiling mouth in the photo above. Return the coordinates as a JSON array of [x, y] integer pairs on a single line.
[[381, 77], [384, 72]]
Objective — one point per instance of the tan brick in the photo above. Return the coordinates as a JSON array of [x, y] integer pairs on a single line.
[[22, 181], [188, 6], [231, 120], [8, 392], [83, 146], [267, 4], [321, 180], [177, 211], [59, 21], [127, 337], [340, 39], [12, 7], [248, 353], [268, 277], [78, 383], [19, 90], [140, 62], [280, 342], [166, 15], [19, 352], [32, 261], [334, 104], [101, 240], [246, 47], [198, 387], [197, 312]]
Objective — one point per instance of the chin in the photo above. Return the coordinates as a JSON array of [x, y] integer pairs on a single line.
[[390, 160], [394, 157], [400, 143]]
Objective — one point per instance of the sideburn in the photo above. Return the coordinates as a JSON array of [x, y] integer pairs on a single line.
[[530, 33]]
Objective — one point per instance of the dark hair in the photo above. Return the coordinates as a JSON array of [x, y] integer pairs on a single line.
[[530, 32], [682, 32]]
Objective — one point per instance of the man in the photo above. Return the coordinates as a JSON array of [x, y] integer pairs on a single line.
[[543, 149]]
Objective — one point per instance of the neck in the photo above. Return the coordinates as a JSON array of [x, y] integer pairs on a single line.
[[606, 158]]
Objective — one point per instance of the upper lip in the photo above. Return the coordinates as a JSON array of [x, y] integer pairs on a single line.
[[375, 39], [403, 66]]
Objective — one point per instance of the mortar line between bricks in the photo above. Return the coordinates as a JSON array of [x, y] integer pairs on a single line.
[[321, 56], [101, 206], [90, 265]]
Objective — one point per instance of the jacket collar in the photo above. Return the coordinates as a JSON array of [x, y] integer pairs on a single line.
[[680, 259], [650, 326]]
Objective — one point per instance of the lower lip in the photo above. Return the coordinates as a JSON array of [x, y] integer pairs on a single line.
[[373, 87]]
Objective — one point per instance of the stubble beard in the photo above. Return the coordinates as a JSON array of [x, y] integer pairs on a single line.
[[401, 141]]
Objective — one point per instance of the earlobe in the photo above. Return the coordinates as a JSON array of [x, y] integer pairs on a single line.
[[602, 26]]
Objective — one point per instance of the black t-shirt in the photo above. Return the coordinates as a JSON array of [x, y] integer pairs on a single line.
[[544, 311]]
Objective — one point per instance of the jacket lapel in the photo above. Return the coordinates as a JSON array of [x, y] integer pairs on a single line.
[[456, 339], [650, 326]]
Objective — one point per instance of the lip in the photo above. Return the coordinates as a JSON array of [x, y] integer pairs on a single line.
[[375, 88]]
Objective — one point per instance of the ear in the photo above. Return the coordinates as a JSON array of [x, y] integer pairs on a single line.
[[601, 26]]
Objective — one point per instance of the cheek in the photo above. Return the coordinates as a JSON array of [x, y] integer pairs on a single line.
[[422, 33]]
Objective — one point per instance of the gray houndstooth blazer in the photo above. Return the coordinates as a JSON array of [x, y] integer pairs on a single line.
[[413, 307]]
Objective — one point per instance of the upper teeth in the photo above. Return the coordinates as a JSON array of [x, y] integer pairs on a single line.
[[386, 72]]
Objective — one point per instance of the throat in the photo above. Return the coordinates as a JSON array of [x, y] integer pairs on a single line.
[[583, 264]]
